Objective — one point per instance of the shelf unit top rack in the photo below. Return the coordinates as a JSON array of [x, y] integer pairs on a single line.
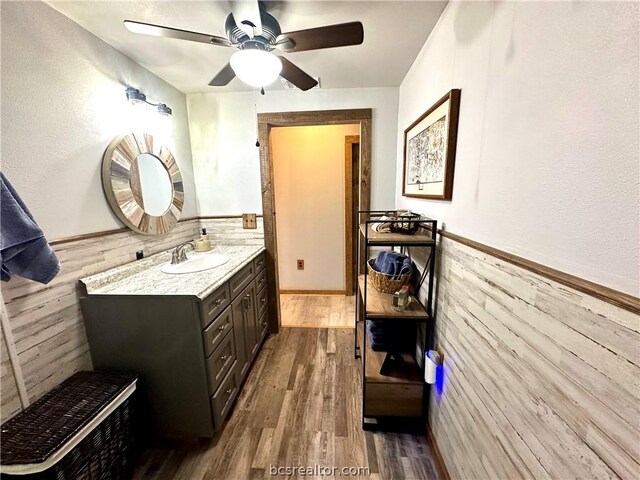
[[393, 239]]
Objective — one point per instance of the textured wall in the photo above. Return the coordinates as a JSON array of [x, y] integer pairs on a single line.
[[540, 380], [63, 102], [309, 188], [548, 153], [223, 136]]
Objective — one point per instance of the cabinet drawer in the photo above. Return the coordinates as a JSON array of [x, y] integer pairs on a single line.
[[260, 262], [214, 304], [222, 400], [241, 279], [220, 361], [262, 301], [215, 332], [261, 280], [263, 326]]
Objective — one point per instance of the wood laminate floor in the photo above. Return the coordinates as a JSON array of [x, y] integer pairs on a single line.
[[318, 311], [300, 405]]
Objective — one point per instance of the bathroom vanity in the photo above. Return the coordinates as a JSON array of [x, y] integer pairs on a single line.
[[191, 337]]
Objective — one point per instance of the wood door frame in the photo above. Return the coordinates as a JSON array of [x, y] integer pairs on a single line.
[[349, 245], [266, 121]]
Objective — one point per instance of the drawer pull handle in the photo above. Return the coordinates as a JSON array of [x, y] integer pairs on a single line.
[[219, 302], [223, 358], [228, 391], [260, 263], [247, 296], [223, 328], [263, 299], [261, 281]]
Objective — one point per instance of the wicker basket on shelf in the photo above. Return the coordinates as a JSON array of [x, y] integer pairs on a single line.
[[383, 282]]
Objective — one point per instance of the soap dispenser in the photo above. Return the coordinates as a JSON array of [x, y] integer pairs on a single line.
[[203, 244]]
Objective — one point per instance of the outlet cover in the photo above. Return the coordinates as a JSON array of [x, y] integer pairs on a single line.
[[249, 220], [300, 264]]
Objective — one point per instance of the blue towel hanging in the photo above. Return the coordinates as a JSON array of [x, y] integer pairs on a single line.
[[23, 249]]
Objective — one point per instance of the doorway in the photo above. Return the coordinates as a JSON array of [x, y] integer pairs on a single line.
[[313, 191], [361, 175]]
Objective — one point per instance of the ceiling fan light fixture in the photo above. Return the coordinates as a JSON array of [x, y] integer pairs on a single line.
[[257, 68]]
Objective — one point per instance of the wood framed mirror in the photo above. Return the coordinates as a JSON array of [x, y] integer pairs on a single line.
[[142, 183]]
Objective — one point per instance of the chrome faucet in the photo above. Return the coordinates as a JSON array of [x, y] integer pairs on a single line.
[[179, 255]]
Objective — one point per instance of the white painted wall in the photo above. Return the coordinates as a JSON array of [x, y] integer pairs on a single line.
[[223, 137], [309, 171], [548, 156], [63, 101]]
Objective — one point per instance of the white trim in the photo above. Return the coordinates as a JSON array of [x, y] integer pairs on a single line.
[[27, 469]]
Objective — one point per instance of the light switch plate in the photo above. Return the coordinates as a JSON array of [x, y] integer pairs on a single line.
[[249, 220]]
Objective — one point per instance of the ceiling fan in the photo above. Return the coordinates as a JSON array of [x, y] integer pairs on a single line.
[[257, 34]]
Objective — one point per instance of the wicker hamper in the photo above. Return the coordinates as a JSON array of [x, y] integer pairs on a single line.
[[82, 429], [383, 282]]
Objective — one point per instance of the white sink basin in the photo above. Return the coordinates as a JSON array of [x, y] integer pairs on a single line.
[[197, 263]]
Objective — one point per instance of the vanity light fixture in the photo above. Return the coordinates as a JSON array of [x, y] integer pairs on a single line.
[[136, 97]]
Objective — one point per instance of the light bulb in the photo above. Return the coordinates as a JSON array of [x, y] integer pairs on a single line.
[[257, 68]]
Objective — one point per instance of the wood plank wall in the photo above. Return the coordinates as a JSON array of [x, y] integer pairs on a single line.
[[45, 320], [10, 397], [540, 380]]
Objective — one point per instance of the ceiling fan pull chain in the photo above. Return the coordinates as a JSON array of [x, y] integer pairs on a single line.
[[255, 111]]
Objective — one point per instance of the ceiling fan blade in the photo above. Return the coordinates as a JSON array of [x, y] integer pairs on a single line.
[[340, 35], [296, 76], [223, 77], [169, 32], [247, 16]]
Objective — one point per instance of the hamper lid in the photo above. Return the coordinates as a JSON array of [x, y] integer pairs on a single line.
[[46, 426]]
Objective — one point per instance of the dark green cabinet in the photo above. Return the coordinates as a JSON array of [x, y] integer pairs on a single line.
[[192, 354]]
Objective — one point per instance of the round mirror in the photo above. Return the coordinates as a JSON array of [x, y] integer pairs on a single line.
[[151, 184], [142, 183]]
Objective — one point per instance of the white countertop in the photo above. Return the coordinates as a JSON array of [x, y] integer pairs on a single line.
[[143, 277]]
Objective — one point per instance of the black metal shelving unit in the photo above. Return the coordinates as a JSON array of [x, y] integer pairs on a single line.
[[401, 393]]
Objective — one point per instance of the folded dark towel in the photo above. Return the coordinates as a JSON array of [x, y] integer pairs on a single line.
[[405, 267], [392, 263], [385, 336], [23, 249]]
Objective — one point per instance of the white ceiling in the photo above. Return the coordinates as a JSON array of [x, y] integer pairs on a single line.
[[394, 32]]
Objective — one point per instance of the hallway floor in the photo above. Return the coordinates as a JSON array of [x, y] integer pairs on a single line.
[[317, 311], [300, 406]]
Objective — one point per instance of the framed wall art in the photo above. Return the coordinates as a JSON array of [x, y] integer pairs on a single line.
[[430, 150]]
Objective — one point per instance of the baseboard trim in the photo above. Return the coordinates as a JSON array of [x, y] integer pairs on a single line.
[[442, 468], [606, 294], [320, 327], [313, 292]]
